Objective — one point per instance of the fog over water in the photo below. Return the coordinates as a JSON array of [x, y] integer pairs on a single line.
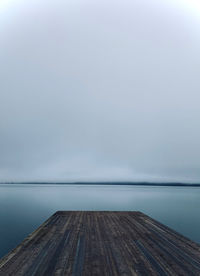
[[99, 90]]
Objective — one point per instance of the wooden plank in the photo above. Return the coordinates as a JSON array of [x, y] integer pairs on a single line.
[[102, 243]]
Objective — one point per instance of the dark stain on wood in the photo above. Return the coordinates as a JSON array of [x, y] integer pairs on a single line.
[[102, 243]]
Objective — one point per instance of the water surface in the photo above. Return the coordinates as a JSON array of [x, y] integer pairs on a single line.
[[24, 207]]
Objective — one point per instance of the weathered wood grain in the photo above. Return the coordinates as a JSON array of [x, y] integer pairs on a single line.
[[102, 243]]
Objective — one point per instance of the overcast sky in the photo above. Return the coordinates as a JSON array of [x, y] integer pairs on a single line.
[[100, 90]]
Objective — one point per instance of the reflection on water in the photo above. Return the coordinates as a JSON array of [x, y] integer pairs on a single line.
[[25, 207]]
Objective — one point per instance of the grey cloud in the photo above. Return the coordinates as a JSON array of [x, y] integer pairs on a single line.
[[97, 90]]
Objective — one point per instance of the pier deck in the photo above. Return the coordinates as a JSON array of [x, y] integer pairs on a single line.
[[102, 243]]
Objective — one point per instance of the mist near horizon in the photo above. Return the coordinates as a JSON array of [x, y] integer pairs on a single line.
[[99, 90]]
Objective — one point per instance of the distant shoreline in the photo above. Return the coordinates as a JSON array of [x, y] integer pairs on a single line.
[[160, 184]]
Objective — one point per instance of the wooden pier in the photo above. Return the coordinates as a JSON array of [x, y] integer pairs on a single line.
[[102, 243]]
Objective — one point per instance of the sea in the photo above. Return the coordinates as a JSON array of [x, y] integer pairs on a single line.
[[23, 207]]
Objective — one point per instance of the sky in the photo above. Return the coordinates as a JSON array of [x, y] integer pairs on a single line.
[[104, 90]]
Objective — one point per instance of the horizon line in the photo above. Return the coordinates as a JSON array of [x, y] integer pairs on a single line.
[[139, 183]]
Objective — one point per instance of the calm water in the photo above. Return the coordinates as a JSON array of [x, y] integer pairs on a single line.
[[25, 207]]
